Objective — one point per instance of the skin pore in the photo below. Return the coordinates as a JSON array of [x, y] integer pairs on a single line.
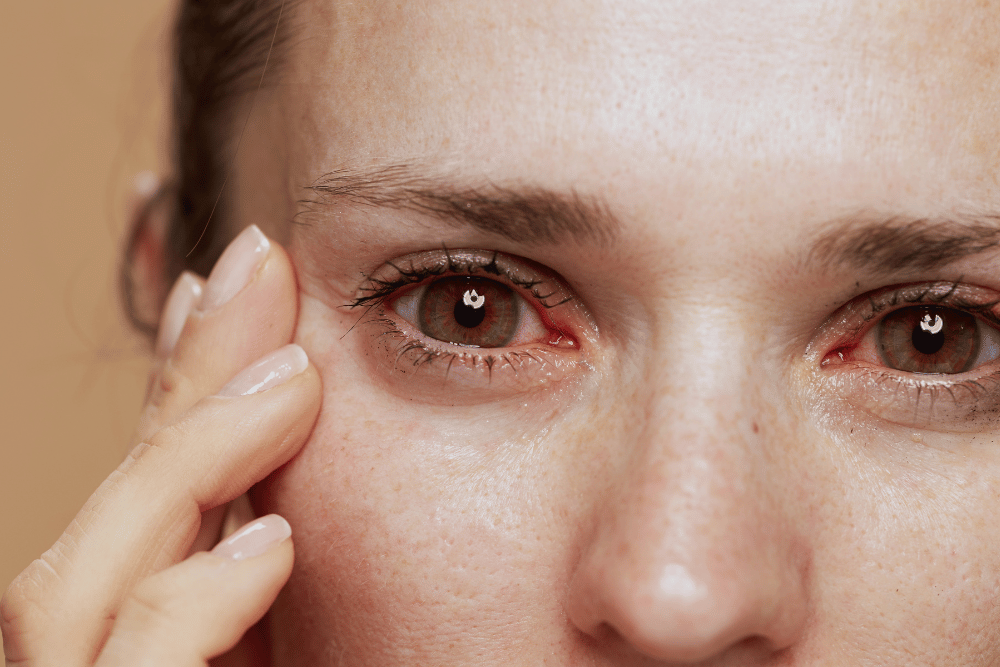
[[716, 471]]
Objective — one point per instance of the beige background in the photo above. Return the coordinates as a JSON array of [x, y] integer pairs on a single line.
[[81, 91]]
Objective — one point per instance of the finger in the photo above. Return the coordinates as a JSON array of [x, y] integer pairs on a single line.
[[144, 517], [220, 522], [184, 297], [250, 303], [246, 309], [240, 512], [209, 530], [199, 608]]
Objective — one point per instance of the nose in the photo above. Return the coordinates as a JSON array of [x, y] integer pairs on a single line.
[[693, 552]]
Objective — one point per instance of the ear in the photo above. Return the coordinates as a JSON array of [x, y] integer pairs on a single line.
[[143, 275]]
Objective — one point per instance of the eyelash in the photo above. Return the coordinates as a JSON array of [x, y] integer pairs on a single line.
[[426, 355], [970, 395], [377, 291], [900, 296]]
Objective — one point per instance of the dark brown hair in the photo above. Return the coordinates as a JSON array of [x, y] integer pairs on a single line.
[[220, 48]]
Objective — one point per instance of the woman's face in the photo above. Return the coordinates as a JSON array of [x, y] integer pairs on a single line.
[[715, 251]]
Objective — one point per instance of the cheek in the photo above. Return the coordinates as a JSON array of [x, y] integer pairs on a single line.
[[416, 524], [909, 569]]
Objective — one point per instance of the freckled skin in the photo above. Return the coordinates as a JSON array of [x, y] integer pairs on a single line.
[[696, 494]]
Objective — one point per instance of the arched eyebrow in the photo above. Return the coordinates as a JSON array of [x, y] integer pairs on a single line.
[[898, 244], [527, 215]]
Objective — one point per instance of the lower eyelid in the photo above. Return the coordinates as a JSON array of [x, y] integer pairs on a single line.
[[963, 403], [451, 375]]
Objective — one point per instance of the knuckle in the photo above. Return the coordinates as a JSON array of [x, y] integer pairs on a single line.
[[171, 391], [171, 436], [23, 607], [172, 381]]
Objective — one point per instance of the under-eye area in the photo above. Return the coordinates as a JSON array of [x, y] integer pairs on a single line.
[[458, 320], [920, 355]]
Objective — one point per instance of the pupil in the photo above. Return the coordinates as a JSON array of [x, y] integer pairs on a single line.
[[468, 316], [928, 335]]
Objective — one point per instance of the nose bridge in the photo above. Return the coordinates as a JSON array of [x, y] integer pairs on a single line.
[[697, 449], [698, 487], [693, 552]]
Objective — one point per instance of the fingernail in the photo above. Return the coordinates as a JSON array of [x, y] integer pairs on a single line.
[[146, 183], [185, 296], [255, 538], [268, 372], [235, 267]]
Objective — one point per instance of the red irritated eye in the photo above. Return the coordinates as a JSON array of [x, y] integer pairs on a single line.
[[473, 311], [923, 355], [468, 326], [927, 339]]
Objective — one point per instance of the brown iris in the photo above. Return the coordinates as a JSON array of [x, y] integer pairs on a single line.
[[928, 339], [477, 312]]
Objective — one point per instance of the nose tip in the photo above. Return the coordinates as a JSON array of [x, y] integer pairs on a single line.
[[697, 548], [676, 617], [684, 613]]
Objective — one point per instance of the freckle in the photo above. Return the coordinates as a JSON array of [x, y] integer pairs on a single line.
[[756, 429]]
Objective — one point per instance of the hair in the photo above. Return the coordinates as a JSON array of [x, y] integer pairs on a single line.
[[219, 49]]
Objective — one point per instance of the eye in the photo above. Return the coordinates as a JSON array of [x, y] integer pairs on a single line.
[[468, 326], [924, 340], [934, 339], [922, 356], [470, 311]]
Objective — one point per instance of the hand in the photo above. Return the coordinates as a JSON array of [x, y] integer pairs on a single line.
[[230, 401]]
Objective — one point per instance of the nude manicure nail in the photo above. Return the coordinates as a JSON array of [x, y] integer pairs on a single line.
[[255, 538], [235, 267], [184, 297], [267, 372]]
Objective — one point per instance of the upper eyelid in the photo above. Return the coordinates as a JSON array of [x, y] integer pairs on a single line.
[[855, 318], [932, 294], [375, 289]]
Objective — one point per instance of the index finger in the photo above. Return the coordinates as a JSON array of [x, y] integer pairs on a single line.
[[248, 308]]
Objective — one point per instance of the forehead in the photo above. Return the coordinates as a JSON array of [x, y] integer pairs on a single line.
[[858, 102]]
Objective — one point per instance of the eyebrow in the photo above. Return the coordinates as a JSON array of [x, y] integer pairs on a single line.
[[539, 216], [897, 244], [529, 215]]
